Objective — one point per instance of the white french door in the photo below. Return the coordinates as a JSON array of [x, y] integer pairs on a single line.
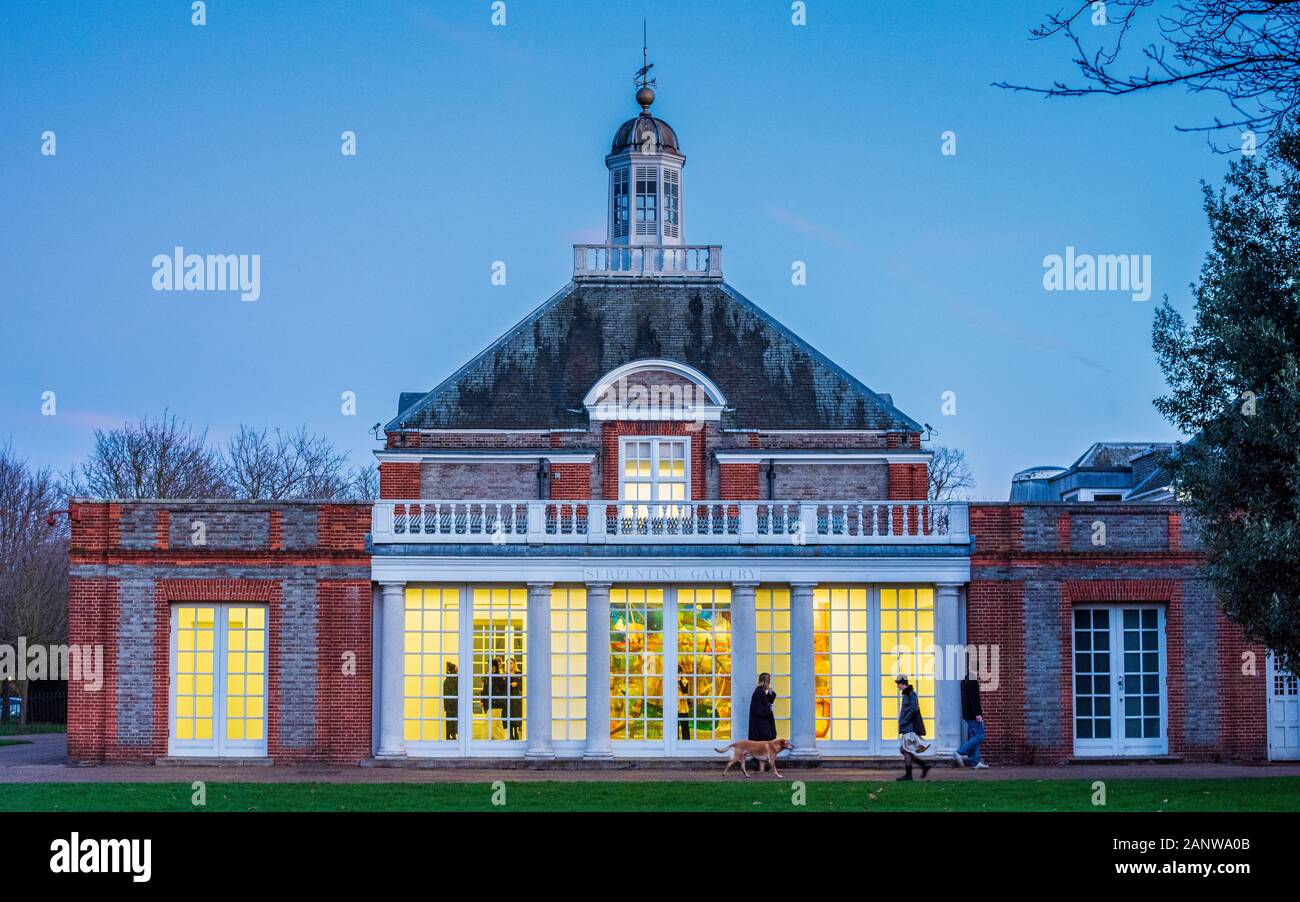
[[217, 701], [1120, 698], [1283, 713]]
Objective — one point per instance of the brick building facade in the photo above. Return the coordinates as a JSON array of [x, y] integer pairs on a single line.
[[592, 537]]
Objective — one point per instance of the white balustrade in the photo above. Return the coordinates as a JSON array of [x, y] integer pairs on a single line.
[[647, 261], [684, 522]]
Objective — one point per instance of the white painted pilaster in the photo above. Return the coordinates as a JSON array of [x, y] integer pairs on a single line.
[[391, 693], [537, 690], [598, 742], [947, 627], [744, 656], [802, 673]]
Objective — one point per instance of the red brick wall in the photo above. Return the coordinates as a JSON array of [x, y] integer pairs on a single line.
[[570, 481], [1010, 552], [1243, 712], [739, 481], [399, 480], [342, 618]]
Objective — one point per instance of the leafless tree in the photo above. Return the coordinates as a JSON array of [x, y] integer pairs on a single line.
[[277, 465], [364, 484], [33, 561], [163, 458], [1247, 51], [950, 474]]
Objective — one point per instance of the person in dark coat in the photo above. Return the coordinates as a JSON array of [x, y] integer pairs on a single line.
[[451, 699], [911, 727], [494, 695], [762, 722], [972, 718], [515, 704]]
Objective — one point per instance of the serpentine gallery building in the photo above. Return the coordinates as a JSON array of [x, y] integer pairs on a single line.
[[594, 535]]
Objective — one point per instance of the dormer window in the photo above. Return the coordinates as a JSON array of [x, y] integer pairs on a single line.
[[621, 208], [647, 200]]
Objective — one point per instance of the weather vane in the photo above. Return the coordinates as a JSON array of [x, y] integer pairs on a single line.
[[643, 79]]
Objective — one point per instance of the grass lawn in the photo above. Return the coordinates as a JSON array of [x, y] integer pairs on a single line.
[[1251, 794], [10, 728]]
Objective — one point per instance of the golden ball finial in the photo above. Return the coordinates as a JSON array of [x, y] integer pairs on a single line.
[[645, 96]]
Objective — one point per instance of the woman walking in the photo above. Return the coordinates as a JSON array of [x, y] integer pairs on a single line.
[[911, 727], [762, 722]]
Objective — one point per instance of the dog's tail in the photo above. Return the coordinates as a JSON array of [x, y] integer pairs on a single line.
[[725, 748]]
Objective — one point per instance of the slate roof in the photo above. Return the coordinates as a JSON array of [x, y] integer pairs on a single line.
[[535, 376], [1109, 455]]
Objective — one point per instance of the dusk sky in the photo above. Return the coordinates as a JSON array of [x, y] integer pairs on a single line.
[[478, 143]]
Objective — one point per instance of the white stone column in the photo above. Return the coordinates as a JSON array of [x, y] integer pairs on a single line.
[[598, 744], [947, 636], [803, 681], [537, 676], [744, 656], [391, 669]]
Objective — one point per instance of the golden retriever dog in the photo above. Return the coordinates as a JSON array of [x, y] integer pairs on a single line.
[[761, 751]]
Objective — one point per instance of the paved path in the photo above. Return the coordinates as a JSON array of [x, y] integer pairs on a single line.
[[44, 761]]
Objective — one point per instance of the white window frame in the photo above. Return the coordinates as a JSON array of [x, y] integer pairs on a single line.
[[1117, 745], [655, 481], [218, 746]]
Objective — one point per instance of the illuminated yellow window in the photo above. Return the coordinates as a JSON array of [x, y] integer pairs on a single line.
[[654, 470], [431, 666], [636, 664], [499, 645], [569, 664], [907, 648], [841, 661], [218, 688], [703, 664], [772, 635]]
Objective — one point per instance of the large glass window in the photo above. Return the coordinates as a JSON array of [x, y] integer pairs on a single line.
[[432, 666], [1092, 691], [568, 664], [907, 648], [772, 627], [636, 664], [498, 647], [841, 663], [703, 664], [218, 679]]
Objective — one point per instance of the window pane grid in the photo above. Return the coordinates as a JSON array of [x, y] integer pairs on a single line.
[[772, 636], [841, 661], [432, 665], [636, 664], [703, 663], [906, 648], [569, 664], [195, 675], [245, 673], [1092, 683], [499, 662]]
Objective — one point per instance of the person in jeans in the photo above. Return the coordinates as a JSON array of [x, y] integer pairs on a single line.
[[972, 717]]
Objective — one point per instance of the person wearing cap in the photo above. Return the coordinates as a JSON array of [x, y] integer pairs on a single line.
[[911, 727]]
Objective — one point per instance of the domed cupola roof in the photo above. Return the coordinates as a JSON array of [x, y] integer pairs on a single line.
[[632, 133]]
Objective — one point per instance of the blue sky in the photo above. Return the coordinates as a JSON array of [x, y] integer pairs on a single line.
[[479, 143]]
